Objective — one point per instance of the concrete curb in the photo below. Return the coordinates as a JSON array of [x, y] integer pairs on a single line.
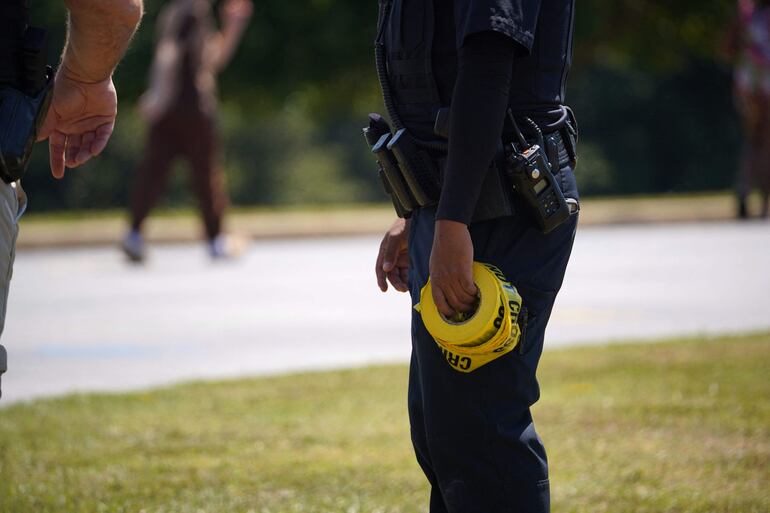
[[45, 231]]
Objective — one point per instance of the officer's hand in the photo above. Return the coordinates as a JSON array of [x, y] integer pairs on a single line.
[[451, 268], [393, 258], [80, 120]]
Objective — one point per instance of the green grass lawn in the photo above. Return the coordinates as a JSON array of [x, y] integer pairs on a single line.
[[679, 426]]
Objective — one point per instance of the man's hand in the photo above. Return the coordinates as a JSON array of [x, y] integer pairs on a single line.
[[393, 258], [451, 268], [236, 12], [80, 120], [82, 114]]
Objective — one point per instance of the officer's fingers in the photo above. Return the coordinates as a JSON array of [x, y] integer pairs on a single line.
[[467, 284], [394, 277], [440, 301], [463, 286], [85, 148], [458, 299], [57, 142], [381, 278], [102, 136], [403, 259], [73, 148], [389, 252], [380, 272], [404, 271], [86, 123], [405, 276]]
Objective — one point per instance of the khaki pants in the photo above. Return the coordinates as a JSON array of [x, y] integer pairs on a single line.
[[13, 202]]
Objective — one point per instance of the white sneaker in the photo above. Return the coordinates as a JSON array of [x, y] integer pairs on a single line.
[[133, 246], [226, 246]]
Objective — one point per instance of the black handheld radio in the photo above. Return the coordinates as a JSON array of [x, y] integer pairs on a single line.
[[533, 181], [23, 106]]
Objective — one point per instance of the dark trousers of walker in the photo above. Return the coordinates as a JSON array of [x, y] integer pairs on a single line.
[[473, 433], [196, 140]]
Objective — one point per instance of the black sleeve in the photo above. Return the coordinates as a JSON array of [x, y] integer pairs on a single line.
[[479, 103], [516, 19]]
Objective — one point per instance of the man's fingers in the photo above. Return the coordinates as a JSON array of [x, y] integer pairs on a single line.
[[73, 148], [88, 124], [397, 281], [389, 253], [103, 134], [403, 260], [379, 271], [392, 257], [454, 294], [57, 143], [85, 148], [404, 271], [458, 299], [468, 286], [441, 302], [381, 279], [81, 147]]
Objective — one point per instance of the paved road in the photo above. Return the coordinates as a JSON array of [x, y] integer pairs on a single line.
[[85, 320]]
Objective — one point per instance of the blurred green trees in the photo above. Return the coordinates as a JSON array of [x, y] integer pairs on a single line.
[[652, 98]]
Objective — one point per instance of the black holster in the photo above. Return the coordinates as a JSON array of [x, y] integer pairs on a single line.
[[24, 104], [412, 176]]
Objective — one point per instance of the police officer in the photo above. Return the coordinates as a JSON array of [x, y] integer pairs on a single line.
[[473, 433], [82, 112]]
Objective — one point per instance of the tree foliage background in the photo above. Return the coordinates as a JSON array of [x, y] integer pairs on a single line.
[[652, 97]]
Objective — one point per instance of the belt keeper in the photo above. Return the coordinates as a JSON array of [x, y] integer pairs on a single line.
[[569, 138]]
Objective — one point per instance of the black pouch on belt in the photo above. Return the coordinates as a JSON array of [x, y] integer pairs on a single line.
[[23, 108], [377, 136], [418, 168]]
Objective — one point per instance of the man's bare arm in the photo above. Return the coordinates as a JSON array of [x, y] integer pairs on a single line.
[[99, 33], [82, 113], [235, 16]]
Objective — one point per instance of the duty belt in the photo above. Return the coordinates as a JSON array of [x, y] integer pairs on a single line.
[[413, 176]]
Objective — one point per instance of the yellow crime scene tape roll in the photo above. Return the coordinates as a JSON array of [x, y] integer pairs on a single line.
[[469, 341]]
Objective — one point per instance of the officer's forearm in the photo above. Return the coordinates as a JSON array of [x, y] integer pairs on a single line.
[[98, 34], [479, 102]]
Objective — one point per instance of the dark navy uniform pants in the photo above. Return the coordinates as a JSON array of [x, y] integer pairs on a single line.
[[473, 433]]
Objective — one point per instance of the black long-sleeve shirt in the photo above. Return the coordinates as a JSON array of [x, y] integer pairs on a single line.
[[489, 55], [479, 103]]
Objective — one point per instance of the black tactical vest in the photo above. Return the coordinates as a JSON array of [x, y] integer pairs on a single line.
[[539, 78], [13, 24], [408, 38]]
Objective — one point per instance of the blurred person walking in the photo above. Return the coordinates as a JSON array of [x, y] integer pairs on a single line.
[[749, 45], [81, 115], [180, 107]]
